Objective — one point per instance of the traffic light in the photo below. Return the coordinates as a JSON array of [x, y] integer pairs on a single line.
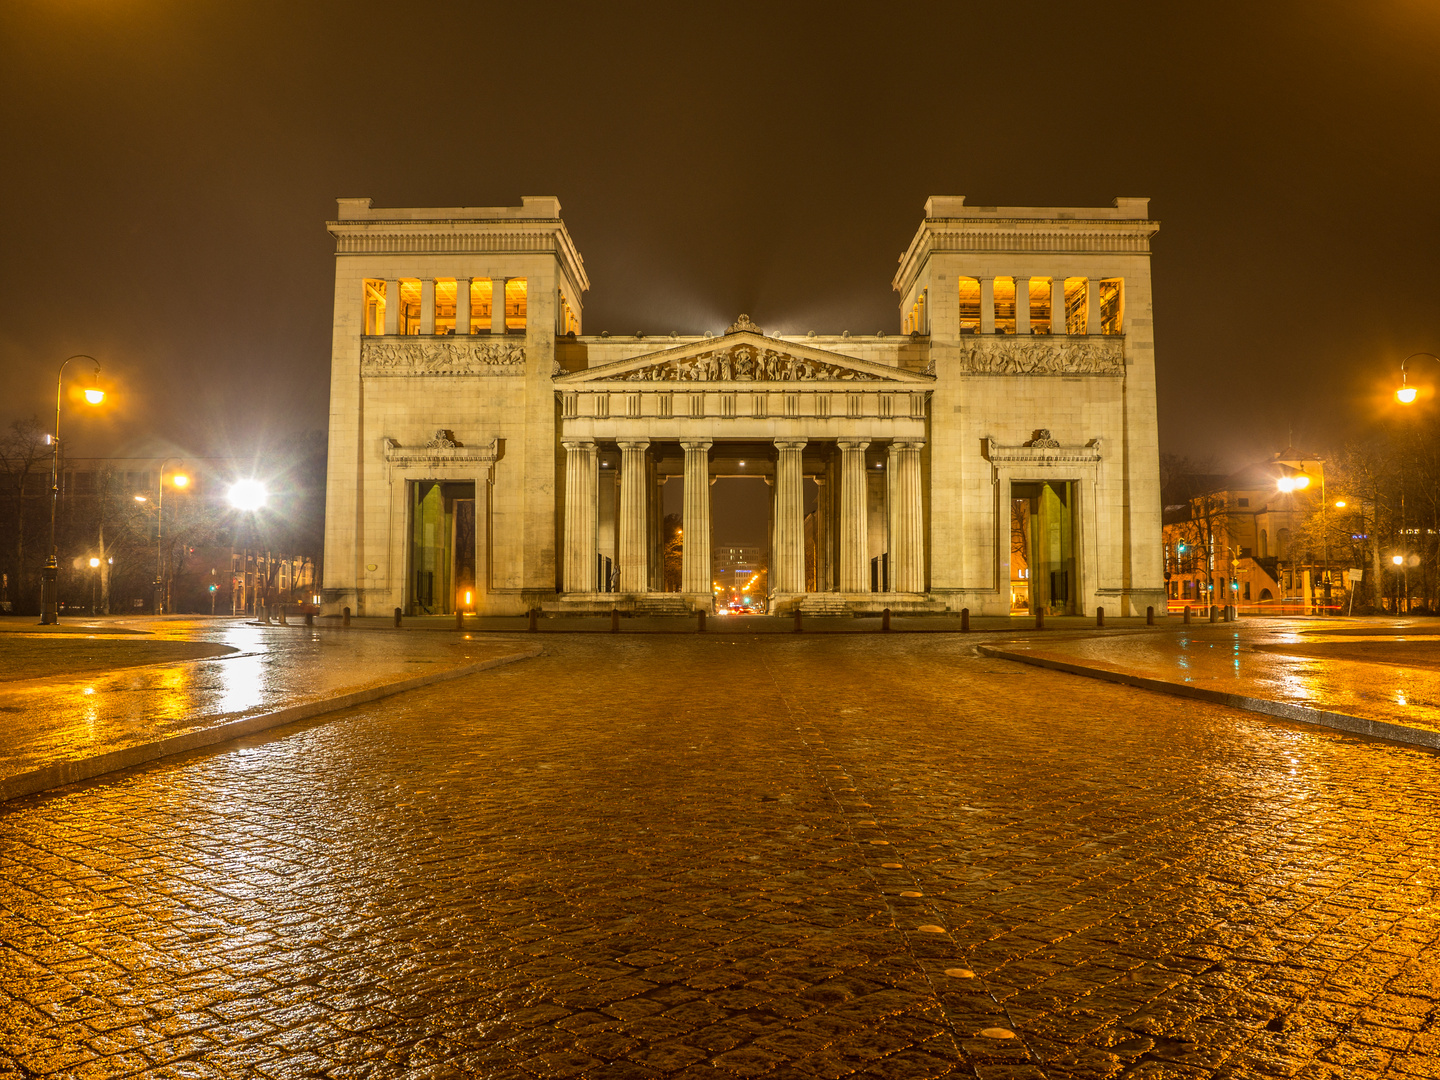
[[212, 588]]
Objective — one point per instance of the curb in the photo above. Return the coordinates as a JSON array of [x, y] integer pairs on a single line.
[[70, 772], [1355, 725]]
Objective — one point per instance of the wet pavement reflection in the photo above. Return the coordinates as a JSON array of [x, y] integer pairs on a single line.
[[709, 857], [1378, 670], [64, 717]]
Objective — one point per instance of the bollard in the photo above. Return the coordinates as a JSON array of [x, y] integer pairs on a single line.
[[1039, 619], [614, 620], [700, 626], [885, 621], [534, 619], [798, 627], [1214, 613], [309, 618], [345, 617], [459, 620], [397, 616], [1149, 616], [1099, 616], [964, 620], [282, 616], [1225, 613], [1235, 611], [1187, 614]]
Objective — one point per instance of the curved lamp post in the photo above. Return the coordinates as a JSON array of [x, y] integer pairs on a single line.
[[49, 599], [1406, 394]]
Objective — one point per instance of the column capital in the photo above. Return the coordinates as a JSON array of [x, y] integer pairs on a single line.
[[852, 444], [899, 446], [696, 444], [633, 444], [578, 444], [791, 444]]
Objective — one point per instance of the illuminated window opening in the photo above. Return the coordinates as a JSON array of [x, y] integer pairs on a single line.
[[1112, 306], [516, 294], [409, 321], [374, 317], [481, 291], [1004, 305], [969, 306], [569, 324], [1040, 305], [444, 305], [1076, 294]]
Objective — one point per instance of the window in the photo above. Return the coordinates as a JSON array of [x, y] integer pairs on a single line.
[[1005, 305], [374, 313], [515, 297], [409, 322], [444, 305], [1247, 590], [1076, 298], [569, 322], [1040, 305], [1243, 502], [1112, 311], [481, 290], [969, 306]]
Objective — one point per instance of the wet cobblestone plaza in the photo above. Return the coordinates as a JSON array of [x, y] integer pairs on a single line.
[[731, 856]]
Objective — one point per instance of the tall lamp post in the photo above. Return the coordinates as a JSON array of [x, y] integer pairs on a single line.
[[180, 480], [49, 581], [1407, 393]]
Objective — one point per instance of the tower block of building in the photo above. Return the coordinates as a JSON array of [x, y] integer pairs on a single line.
[[997, 454]]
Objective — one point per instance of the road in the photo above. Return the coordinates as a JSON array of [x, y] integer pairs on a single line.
[[704, 856]]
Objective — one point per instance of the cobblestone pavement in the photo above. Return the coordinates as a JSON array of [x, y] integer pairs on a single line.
[[70, 716], [1379, 669], [710, 857]]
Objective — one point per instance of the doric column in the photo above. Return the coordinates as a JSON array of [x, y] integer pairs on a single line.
[[497, 305], [789, 555], [907, 524], [1092, 305], [1022, 305], [392, 307], [581, 489], [1057, 304], [854, 528], [634, 517], [427, 305], [695, 558], [987, 305], [462, 305]]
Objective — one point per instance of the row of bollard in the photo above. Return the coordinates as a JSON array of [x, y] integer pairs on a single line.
[[1228, 613]]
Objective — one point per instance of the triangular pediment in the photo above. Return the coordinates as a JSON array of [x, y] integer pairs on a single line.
[[743, 357]]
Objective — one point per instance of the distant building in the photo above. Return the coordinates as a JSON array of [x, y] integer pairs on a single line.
[[1235, 539]]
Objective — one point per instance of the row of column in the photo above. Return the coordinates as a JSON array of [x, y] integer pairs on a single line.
[[905, 502], [1022, 305], [462, 310]]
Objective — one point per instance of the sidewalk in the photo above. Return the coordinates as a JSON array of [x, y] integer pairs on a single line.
[[72, 726], [1376, 677]]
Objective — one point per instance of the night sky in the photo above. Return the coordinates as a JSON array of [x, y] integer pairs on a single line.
[[168, 170]]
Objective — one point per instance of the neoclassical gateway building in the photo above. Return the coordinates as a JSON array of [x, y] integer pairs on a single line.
[[996, 452]]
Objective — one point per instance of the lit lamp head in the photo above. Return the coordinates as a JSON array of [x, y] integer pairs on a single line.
[[1286, 483], [1397, 559], [1301, 482], [94, 563], [141, 498], [248, 495], [94, 395], [1339, 504], [1406, 394], [180, 480]]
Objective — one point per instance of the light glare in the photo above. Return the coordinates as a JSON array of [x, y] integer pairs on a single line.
[[1405, 395], [247, 495], [94, 395]]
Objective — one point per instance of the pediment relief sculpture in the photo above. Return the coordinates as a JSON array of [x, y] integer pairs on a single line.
[[1021, 356], [431, 356], [747, 363]]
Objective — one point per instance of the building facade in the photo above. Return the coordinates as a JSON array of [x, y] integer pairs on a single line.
[[487, 454]]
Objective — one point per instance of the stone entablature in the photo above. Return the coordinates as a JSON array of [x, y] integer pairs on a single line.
[[442, 449], [381, 356], [1041, 450], [1010, 355]]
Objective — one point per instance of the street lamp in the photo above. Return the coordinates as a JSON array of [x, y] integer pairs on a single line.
[[49, 581], [180, 480], [1406, 394]]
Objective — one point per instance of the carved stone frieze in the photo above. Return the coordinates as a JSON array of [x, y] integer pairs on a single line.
[[443, 449], [746, 363], [441, 356], [742, 325], [1008, 355], [1043, 440]]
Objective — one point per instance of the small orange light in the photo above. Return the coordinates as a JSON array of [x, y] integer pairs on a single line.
[[180, 480], [94, 563]]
